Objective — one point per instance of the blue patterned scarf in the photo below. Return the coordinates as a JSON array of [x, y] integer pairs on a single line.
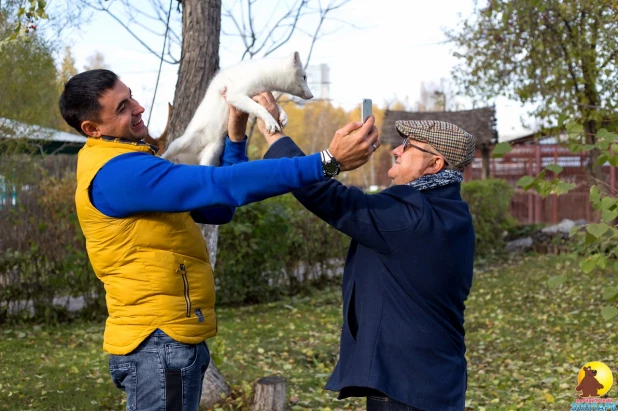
[[443, 178]]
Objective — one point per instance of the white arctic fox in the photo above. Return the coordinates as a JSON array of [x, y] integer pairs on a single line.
[[203, 140]]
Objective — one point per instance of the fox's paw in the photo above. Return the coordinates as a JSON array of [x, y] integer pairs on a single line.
[[272, 125], [283, 117]]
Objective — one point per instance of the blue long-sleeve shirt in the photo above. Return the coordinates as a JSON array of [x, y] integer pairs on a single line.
[[140, 182]]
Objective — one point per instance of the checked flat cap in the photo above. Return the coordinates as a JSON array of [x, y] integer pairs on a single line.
[[455, 144]]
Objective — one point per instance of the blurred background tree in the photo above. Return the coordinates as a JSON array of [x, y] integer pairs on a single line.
[[560, 56], [28, 76]]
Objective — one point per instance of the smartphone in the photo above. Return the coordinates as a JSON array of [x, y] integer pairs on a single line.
[[366, 109]]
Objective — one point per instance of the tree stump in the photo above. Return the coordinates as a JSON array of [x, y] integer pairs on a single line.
[[270, 394], [214, 387]]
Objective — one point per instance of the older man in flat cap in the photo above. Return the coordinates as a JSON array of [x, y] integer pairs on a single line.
[[407, 274]]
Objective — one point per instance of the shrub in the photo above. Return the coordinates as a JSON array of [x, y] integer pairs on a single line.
[[43, 260], [489, 202], [273, 248]]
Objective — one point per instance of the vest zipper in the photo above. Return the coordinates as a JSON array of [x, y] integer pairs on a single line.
[[183, 271]]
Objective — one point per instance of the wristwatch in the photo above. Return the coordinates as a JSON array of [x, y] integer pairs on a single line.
[[330, 165]]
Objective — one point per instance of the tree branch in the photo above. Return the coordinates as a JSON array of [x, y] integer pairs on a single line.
[[293, 27], [278, 25], [611, 57], [135, 36]]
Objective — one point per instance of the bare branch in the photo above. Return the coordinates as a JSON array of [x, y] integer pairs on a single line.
[[228, 13], [293, 27], [169, 13], [102, 8], [609, 59], [323, 16], [248, 31], [354, 26], [251, 29]]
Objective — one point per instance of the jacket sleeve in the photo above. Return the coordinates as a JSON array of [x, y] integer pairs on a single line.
[[379, 221], [139, 182], [233, 153], [213, 215]]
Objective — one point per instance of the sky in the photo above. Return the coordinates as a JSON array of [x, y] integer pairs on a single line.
[[383, 50]]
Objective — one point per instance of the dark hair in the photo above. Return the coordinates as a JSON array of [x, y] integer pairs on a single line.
[[80, 99]]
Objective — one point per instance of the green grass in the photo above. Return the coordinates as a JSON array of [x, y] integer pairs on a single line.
[[526, 343]]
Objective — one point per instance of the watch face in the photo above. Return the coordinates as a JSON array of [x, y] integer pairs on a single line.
[[331, 168]]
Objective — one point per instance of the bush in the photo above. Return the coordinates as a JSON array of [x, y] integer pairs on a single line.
[[272, 248], [43, 260], [489, 202], [275, 248]]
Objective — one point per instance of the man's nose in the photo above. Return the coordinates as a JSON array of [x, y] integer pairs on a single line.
[[138, 109]]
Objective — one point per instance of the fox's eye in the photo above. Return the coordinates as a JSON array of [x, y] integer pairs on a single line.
[[305, 77]]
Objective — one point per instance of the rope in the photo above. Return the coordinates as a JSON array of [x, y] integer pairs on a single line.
[[167, 28]]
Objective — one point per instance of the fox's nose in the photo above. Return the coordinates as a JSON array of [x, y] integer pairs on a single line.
[[309, 96]]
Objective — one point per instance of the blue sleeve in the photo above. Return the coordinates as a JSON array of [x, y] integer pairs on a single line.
[[378, 221], [233, 153], [139, 182]]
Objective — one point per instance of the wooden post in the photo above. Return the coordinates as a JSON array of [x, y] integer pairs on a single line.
[[270, 394], [485, 151], [538, 212], [555, 202], [530, 195]]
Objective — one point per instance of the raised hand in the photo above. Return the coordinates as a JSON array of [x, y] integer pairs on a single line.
[[354, 143], [267, 100]]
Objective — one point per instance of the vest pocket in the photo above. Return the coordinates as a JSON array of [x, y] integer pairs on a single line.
[[185, 281]]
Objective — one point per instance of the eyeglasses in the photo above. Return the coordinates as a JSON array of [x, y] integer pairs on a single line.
[[406, 144]]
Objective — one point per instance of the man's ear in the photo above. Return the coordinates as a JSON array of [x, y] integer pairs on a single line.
[[437, 165], [91, 129]]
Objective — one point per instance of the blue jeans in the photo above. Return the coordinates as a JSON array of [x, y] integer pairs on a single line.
[[161, 374], [384, 403]]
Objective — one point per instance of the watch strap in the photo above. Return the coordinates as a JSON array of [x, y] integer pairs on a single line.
[[329, 159]]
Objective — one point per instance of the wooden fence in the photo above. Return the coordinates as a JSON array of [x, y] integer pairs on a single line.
[[529, 160]]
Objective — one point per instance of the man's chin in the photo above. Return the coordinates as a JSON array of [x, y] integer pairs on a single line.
[[140, 135], [392, 175]]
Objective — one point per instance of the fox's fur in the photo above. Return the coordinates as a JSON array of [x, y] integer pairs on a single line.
[[203, 140]]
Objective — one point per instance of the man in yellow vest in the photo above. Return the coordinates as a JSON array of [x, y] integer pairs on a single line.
[[138, 214]]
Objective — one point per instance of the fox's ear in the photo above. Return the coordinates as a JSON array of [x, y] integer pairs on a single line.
[[296, 58]]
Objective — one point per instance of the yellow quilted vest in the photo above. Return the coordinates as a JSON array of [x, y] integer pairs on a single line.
[[154, 266]]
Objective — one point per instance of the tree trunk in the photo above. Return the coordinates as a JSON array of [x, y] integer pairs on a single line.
[[201, 24], [213, 386], [199, 61], [594, 169], [270, 394]]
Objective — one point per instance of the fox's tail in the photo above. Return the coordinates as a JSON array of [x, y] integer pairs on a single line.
[[177, 146], [162, 140]]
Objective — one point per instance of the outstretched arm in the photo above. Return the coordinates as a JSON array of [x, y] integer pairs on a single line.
[[234, 152], [379, 221], [139, 182], [374, 220]]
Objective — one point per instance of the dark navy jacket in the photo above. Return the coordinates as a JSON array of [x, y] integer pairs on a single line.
[[407, 275]]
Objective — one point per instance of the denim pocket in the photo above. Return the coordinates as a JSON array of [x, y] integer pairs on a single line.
[[124, 377], [180, 356]]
